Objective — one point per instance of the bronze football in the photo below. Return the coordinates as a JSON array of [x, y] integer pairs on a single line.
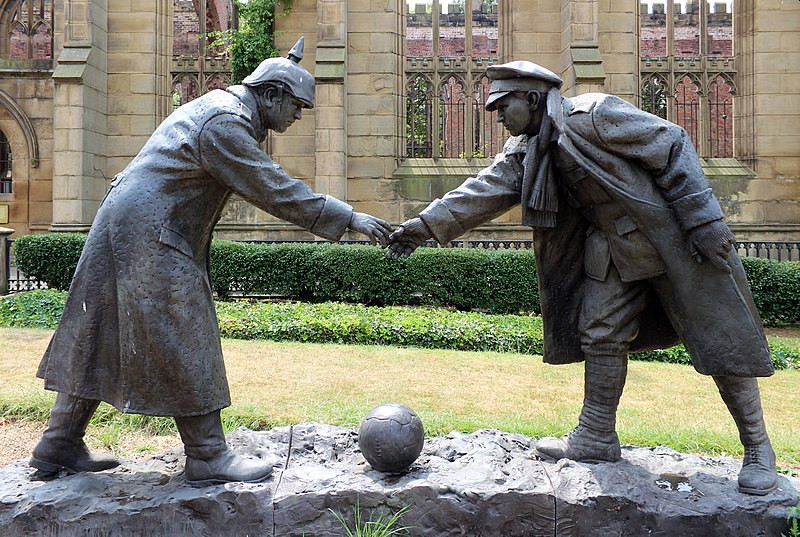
[[391, 437]]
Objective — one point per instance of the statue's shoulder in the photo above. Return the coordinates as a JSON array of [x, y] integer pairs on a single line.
[[591, 102], [215, 103], [516, 144], [230, 102], [598, 104]]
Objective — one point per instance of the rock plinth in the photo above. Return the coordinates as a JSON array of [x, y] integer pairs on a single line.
[[488, 483]]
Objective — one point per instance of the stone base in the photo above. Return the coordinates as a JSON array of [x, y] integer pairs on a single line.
[[488, 483]]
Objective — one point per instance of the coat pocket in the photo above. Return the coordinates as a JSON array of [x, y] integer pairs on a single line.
[[175, 240]]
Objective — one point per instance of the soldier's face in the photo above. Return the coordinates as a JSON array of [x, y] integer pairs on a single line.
[[517, 114], [283, 113]]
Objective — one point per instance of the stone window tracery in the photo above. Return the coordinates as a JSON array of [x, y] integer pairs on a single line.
[[6, 161], [688, 70], [196, 67], [28, 32], [448, 45]]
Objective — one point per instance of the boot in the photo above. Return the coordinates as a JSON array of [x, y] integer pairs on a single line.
[[595, 437], [61, 447], [209, 460], [758, 475]]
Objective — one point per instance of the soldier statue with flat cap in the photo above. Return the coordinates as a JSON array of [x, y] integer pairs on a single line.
[[631, 249], [139, 329]]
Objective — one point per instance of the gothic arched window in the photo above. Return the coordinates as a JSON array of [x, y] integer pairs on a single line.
[[6, 161], [28, 28], [448, 45], [687, 66]]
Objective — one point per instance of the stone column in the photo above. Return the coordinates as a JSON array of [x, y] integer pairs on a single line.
[[375, 108], [580, 52], [5, 234], [109, 96], [331, 110], [618, 35], [139, 81], [79, 115], [767, 116]]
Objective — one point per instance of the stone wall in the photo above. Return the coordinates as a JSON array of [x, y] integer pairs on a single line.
[[111, 88], [26, 118], [768, 120]]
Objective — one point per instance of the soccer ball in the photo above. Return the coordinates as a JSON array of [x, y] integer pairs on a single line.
[[391, 437]]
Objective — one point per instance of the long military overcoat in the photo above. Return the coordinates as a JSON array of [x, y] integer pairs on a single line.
[[139, 329], [649, 166]]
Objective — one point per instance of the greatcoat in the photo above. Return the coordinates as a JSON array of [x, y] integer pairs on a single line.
[[139, 329], [649, 167]]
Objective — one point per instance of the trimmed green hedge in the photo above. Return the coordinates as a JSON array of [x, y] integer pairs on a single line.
[[50, 257], [776, 289], [332, 322], [466, 279]]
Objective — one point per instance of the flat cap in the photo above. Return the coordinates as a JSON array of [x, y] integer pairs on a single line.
[[518, 75]]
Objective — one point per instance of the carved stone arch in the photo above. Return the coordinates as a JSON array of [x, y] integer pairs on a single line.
[[688, 107], [445, 79], [216, 80], [727, 78], [693, 77], [187, 85], [414, 77], [42, 43], [653, 92], [7, 9], [20, 175], [453, 96], [31, 141], [42, 23]]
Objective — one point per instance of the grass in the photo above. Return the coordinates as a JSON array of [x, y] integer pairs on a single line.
[[377, 525], [283, 383]]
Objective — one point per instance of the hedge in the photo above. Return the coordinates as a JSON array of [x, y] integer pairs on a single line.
[[776, 289], [50, 257], [466, 279], [331, 322]]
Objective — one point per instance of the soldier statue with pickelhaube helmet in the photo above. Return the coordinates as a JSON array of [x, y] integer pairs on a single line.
[[632, 253], [139, 329]]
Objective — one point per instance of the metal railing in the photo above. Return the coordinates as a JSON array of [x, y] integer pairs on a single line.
[[16, 280], [775, 250]]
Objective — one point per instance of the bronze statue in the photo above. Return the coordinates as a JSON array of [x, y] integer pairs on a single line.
[[631, 249], [139, 329]]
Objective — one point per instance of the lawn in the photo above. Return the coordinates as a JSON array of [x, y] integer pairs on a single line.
[[283, 383]]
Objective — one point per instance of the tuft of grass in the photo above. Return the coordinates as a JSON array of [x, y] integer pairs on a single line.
[[384, 525], [793, 519]]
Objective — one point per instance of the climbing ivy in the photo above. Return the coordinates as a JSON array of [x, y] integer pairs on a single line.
[[254, 40]]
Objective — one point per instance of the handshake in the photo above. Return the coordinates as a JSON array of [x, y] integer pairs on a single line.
[[400, 242]]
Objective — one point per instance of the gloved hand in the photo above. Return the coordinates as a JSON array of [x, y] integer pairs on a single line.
[[407, 237], [714, 241], [374, 228]]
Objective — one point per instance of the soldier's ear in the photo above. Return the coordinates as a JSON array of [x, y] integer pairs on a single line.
[[534, 98], [272, 95]]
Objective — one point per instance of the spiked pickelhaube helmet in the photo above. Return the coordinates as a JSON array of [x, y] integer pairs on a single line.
[[288, 72]]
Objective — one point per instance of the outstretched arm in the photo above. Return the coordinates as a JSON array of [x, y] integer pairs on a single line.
[[477, 200]]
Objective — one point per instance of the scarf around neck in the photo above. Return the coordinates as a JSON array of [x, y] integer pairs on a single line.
[[539, 190]]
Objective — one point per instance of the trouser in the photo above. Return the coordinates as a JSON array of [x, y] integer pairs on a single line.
[[609, 321]]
